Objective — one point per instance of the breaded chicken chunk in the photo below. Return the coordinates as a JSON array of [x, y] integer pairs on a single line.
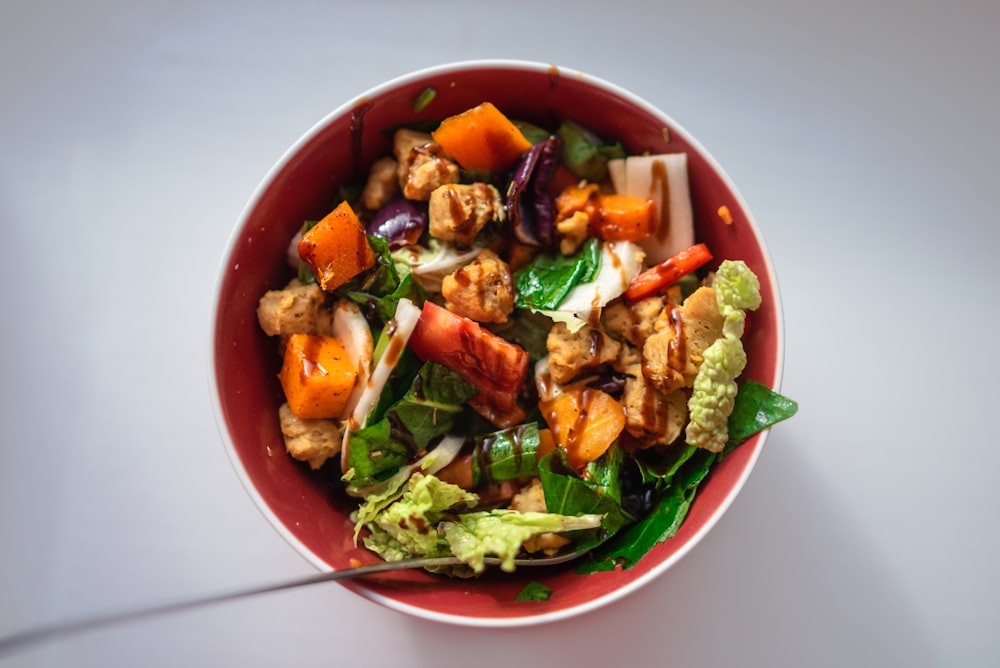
[[312, 441], [423, 165], [633, 323], [651, 417], [574, 353], [482, 290], [671, 356], [457, 212], [298, 308], [382, 184]]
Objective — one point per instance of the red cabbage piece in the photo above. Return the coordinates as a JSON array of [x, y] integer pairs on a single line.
[[529, 205], [400, 222]]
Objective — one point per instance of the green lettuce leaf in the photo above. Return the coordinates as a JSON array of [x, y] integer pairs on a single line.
[[377, 451], [534, 591], [406, 528], [544, 284], [714, 391], [382, 305], [435, 399], [474, 536], [567, 493], [604, 474], [380, 280], [508, 454], [757, 407], [635, 541]]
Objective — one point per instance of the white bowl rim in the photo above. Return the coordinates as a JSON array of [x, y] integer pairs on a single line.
[[345, 108]]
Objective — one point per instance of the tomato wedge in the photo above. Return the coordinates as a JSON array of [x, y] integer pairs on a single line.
[[667, 273], [496, 367]]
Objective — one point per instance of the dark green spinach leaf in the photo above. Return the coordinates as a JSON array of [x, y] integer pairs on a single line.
[[756, 408], [544, 283], [567, 493], [508, 454], [436, 396], [681, 472], [534, 591]]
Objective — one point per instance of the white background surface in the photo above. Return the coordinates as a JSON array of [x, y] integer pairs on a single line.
[[864, 137]]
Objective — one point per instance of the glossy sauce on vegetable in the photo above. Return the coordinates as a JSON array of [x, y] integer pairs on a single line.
[[576, 432], [357, 129], [396, 343], [484, 454], [310, 355], [659, 180], [677, 348]]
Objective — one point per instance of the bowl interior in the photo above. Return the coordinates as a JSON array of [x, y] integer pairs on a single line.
[[303, 185]]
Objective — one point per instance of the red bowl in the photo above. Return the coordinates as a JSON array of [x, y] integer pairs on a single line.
[[302, 185]]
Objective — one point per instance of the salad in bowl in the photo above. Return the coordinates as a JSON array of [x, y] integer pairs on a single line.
[[510, 331]]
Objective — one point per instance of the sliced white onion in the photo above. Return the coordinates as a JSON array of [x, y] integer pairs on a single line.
[[548, 389], [292, 253], [351, 327], [621, 261], [429, 270], [401, 326]]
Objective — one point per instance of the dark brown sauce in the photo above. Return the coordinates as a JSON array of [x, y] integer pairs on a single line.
[[357, 130], [457, 209], [418, 388], [399, 433], [484, 454], [433, 152], [677, 348], [618, 265], [649, 409], [660, 184], [462, 278], [596, 343], [396, 343], [577, 431]]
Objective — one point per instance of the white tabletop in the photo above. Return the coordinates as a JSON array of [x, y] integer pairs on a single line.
[[863, 135]]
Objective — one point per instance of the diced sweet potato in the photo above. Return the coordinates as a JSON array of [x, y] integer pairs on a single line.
[[623, 217], [336, 248], [317, 376], [584, 421], [611, 216], [481, 138]]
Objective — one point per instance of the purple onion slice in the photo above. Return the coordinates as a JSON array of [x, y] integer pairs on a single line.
[[529, 205], [400, 222]]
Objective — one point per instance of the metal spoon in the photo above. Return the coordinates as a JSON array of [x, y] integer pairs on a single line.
[[25, 639]]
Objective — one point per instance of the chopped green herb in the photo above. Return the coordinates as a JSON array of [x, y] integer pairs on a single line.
[[421, 101], [534, 591]]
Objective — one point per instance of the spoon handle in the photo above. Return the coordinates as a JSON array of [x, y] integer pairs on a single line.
[[25, 639]]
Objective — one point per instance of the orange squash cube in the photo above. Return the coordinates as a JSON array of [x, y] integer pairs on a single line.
[[336, 248], [584, 422], [318, 376], [481, 138], [623, 217]]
